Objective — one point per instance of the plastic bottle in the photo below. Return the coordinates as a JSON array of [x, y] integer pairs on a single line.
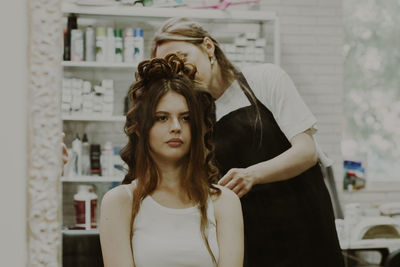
[[85, 202], [118, 45], [77, 156], [90, 44], [138, 46], [85, 156], [107, 155], [76, 45], [110, 44], [101, 44], [128, 45], [71, 24]]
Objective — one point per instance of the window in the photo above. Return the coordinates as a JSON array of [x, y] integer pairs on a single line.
[[372, 86]]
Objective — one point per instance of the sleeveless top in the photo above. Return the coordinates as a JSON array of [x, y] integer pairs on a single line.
[[288, 223], [169, 237]]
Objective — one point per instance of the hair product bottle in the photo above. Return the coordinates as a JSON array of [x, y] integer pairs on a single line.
[[85, 202]]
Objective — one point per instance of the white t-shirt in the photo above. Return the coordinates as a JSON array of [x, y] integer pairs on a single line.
[[168, 237], [275, 89]]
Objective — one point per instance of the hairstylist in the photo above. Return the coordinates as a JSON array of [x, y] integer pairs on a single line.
[[265, 152]]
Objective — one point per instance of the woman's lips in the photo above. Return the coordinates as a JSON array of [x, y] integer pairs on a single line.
[[175, 142]]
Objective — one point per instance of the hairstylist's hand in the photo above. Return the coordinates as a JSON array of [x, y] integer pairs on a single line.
[[238, 180], [64, 150]]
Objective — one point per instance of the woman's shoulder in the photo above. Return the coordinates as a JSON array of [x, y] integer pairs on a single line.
[[225, 199], [119, 195]]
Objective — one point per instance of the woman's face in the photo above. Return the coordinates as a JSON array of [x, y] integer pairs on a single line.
[[192, 54], [170, 135]]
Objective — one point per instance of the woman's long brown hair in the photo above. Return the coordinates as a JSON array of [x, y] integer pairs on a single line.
[[155, 78]]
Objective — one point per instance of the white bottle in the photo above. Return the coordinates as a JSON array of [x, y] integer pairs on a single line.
[[77, 156], [90, 44], [110, 44], [85, 202], [138, 46], [85, 156], [128, 45], [101, 44], [76, 45], [107, 155], [118, 45]]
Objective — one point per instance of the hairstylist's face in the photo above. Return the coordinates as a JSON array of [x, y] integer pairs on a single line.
[[198, 55], [170, 137]]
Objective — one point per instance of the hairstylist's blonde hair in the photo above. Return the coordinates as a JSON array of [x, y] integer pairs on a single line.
[[183, 29]]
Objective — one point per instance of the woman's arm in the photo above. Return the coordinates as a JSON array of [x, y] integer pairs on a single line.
[[294, 161], [228, 216], [115, 216]]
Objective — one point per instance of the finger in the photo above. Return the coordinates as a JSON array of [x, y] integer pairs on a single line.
[[238, 188], [232, 184], [224, 180], [242, 192], [62, 136]]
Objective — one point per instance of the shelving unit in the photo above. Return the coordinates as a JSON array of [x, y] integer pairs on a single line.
[[93, 118], [119, 10], [92, 179], [84, 64]]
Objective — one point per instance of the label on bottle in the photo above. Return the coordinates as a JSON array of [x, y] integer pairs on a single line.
[[85, 220]]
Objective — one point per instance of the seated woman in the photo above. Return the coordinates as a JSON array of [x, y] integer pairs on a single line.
[[169, 211]]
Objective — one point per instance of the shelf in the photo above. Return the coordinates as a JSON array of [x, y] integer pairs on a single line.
[[80, 232], [83, 64], [104, 118], [162, 13], [92, 179]]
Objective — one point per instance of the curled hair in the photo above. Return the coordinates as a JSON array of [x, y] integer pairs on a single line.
[[155, 78]]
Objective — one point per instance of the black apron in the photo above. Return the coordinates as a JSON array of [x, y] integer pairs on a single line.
[[288, 223]]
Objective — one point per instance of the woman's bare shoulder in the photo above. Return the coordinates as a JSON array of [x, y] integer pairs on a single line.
[[227, 197], [119, 195]]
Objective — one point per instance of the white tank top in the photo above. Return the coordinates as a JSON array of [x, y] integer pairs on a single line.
[[167, 237]]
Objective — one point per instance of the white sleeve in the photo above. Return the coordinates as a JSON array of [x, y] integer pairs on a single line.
[[276, 90]]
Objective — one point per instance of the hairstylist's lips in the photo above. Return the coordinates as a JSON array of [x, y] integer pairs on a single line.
[[175, 142]]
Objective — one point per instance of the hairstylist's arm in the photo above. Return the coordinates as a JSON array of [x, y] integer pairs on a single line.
[[294, 161], [228, 216], [115, 216]]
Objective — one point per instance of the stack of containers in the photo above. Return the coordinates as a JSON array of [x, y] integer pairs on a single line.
[[108, 100], [78, 97], [247, 47]]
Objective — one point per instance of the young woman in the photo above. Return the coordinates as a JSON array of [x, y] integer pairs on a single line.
[[168, 212], [265, 152]]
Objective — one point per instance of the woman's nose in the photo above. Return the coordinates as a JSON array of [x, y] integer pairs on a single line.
[[175, 125]]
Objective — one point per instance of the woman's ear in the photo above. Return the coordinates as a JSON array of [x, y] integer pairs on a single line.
[[208, 45]]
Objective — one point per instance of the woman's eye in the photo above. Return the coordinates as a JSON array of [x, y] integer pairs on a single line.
[[161, 118], [186, 118]]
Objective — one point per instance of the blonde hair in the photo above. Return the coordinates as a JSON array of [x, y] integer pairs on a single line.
[[183, 29]]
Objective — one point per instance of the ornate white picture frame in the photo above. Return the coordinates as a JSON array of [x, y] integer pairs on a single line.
[[44, 133]]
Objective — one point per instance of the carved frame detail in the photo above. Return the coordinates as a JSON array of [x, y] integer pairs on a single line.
[[44, 133]]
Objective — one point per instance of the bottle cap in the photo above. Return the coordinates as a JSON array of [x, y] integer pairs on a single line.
[[138, 32], [118, 33], [101, 31], [128, 32], [110, 31], [85, 139]]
